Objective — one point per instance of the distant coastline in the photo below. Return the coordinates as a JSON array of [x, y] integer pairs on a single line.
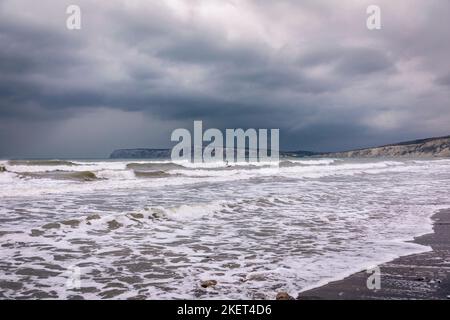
[[429, 147]]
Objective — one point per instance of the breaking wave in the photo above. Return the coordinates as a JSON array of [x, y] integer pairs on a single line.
[[98, 222], [153, 174], [153, 166], [41, 163], [61, 175]]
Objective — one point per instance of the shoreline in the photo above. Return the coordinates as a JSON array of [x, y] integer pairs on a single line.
[[417, 276]]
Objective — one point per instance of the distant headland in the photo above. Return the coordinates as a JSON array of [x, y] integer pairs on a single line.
[[429, 147]]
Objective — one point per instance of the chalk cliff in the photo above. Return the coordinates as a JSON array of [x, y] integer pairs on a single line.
[[431, 147]]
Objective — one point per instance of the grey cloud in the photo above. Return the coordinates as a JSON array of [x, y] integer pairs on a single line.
[[363, 61], [444, 80], [347, 60], [309, 68]]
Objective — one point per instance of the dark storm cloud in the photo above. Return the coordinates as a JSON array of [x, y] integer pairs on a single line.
[[198, 49], [310, 68], [363, 61], [444, 80]]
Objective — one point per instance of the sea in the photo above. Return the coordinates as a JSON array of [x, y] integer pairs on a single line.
[[154, 229]]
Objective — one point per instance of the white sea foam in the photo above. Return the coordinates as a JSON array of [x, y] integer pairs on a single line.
[[256, 230]]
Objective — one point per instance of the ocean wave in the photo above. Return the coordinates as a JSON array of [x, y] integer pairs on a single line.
[[309, 162], [225, 164], [153, 166], [41, 163], [61, 175], [303, 163], [106, 223], [153, 174], [116, 176]]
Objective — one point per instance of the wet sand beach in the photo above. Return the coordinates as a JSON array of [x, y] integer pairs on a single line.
[[417, 276]]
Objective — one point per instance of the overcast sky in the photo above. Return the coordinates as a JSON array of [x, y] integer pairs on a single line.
[[139, 69]]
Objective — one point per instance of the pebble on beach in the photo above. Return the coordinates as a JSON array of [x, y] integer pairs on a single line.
[[420, 279], [113, 225], [208, 283], [284, 296]]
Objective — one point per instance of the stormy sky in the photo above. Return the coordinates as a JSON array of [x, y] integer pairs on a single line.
[[139, 69]]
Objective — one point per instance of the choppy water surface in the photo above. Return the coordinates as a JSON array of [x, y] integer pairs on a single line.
[[143, 229]]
